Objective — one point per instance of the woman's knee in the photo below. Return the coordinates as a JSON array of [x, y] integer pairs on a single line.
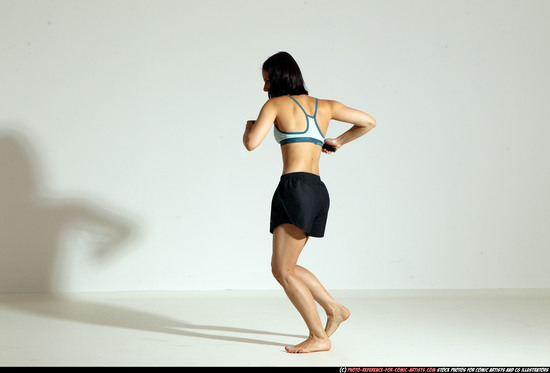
[[282, 273]]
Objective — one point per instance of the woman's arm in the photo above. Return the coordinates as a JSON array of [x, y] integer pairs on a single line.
[[362, 123], [256, 130]]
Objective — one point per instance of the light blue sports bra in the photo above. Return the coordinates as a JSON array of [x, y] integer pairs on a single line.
[[311, 134]]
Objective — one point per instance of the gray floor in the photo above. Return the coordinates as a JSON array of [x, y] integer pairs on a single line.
[[250, 328]]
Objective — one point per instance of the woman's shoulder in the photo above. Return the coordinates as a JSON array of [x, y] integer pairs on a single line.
[[276, 101], [328, 104], [327, 101], [321, 101], [285, 101]]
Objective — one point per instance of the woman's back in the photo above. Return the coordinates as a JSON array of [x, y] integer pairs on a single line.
[[292, 117]]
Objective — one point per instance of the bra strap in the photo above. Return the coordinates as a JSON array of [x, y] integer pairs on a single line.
[[316, 103], [301, 105]]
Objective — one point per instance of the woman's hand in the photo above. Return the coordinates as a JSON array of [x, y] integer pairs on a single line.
[[332, 142], [249, 124]]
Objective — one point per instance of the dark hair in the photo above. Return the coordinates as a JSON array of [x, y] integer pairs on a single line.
[[285, 77]]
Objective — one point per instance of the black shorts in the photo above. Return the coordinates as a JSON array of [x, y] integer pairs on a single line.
[[301, 199]]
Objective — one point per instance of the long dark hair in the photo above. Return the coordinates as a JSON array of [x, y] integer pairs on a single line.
[[285, 77]]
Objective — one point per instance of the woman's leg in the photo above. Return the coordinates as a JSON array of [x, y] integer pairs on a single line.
[[288, 242], [336, 313]]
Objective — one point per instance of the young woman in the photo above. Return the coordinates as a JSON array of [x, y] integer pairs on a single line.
[[300, 203]]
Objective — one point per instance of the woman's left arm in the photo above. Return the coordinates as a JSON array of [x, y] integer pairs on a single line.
[[256, 130]]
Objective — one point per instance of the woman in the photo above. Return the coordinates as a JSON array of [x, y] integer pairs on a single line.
[[300, 203]]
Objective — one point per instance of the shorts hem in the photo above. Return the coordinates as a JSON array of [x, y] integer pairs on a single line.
[[308, 234]]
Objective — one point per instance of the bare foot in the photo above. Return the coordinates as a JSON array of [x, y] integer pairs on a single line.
[[312, 344], [333, 321]]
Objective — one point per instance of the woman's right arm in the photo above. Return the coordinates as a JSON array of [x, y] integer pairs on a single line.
[[362, 123]]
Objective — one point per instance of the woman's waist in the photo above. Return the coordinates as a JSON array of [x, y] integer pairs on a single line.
[[301, 175], [300, 160], [306, 167], [310, 171]]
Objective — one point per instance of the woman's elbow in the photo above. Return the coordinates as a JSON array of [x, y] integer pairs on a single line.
[[249, 145], [371, 123]]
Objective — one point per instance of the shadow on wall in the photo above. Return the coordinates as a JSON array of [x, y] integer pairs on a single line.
[[32, 227]]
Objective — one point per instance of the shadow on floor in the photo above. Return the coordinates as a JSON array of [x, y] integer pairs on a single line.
[[66, 308]]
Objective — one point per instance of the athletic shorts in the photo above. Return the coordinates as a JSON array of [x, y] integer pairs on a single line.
[[301, 199]]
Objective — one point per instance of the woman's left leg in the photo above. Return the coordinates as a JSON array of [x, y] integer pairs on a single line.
[[288, 242], [336, 313]]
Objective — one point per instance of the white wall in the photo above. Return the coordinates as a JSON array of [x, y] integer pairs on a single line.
[[122, 166]]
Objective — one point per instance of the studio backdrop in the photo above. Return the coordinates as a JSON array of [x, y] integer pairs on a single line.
[[122, 166]]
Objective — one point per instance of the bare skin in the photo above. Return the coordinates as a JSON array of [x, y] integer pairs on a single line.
[[336, 313], [300, 285]]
